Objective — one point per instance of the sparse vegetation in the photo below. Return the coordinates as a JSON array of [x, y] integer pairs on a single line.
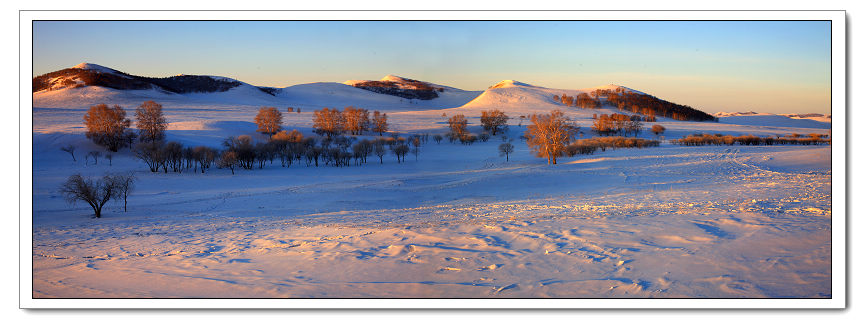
[[589, 146], [605, 125], [706, 139]]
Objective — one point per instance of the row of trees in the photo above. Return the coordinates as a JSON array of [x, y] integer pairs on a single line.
[[613, 124], [289, 147], [639, 103], [652, 106], [356, 121], [108, 126], [493, 122], [719, 139], [582, 100], [590, 145], [175, 156]]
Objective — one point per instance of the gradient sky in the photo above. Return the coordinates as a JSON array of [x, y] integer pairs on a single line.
[[776, 67]]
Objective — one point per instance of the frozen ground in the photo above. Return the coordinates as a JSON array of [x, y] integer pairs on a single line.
[[459, 222]]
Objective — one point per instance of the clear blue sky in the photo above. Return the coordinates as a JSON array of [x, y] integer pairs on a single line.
[[780, 67]]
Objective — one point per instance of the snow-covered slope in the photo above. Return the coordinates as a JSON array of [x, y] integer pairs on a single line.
[[456, 221], [512, 95], [97, 68], [68, 91], [775, 120]]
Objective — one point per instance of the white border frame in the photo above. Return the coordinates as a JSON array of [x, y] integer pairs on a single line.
[[839, 157]]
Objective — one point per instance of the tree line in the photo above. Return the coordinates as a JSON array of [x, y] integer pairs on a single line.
[[591, 145], [719, 139], [614, 124], [646, 105]]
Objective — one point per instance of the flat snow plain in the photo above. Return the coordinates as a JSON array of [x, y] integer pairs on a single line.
[[672, 221]]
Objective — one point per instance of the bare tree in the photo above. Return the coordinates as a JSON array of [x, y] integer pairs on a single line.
[[150, 122], [549, 135], [379, 122], [269, 120], [494, 121], [356, 120], [109, 156], [379, 149], [69, 149], [438, 138], [458, 125], [93, 154], [150, 153], [244, 150], [205, 156], [415, 143], [506, 149], [173, 153], [400, 150], [106, 126], [95, 193], [124, 184], [228, 159], [328, 122]]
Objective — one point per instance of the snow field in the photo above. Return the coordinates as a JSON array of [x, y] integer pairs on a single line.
[[671, 221]]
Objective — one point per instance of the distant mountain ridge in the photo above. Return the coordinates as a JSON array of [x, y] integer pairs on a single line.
[[87, 84], [400, 87], [86, 74]]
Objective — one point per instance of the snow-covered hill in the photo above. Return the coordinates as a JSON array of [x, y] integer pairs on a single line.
[[87, 84], [512, 95]]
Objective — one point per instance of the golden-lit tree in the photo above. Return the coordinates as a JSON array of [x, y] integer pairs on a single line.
[[356, 120], [106, 126], [329, 122], [549, 135], [379, 122], [458, 125], [269, 120], [494, 121]]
